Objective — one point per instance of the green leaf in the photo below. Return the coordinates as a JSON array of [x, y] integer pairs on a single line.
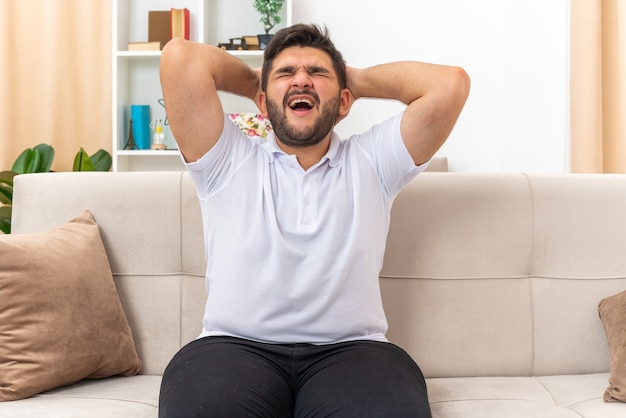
[[82, 162], [26, 162], [101, 160], [6, 187], [34, 160], [47, 156], [6, 177], [5, 219], [6, 194]]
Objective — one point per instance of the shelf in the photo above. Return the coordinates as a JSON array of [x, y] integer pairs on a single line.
[[246, 53], [149, 153], [139, 54], [135, 78], [157, 54]]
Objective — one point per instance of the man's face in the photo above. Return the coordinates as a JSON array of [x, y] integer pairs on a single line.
[[303, 98]]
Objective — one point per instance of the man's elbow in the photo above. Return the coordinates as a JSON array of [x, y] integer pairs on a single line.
[[460, 84], [172, 55]]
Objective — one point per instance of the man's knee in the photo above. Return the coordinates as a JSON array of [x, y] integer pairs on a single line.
[[221, 377], [365, 379]]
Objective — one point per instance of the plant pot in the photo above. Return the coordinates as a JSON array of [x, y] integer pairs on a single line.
[[264, 39]]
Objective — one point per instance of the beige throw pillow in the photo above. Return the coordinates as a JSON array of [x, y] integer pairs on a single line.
[[60, 315], [613, 314]]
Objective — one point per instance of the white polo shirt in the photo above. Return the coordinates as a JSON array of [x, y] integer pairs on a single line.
[[293, 256]]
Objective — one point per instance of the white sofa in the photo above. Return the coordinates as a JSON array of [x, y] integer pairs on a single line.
[[491, 282]]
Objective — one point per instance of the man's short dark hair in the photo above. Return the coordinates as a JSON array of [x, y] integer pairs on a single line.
[[303, 35]]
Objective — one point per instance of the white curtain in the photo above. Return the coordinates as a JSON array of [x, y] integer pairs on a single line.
[[55, 77]]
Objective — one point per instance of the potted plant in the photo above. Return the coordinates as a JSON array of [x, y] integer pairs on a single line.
[[39, 160], [270, 17]]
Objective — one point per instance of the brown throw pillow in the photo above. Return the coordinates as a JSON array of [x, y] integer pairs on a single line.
[[613, 314], [61, 319]]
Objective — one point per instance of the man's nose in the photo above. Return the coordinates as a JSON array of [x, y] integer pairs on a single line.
[[301, 78]]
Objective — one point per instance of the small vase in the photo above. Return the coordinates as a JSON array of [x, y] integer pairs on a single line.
[[264, 39]]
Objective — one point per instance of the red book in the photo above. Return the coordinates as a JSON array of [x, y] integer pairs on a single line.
[[179, 23]]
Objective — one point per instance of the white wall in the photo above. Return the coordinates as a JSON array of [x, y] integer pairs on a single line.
[[516, 53]]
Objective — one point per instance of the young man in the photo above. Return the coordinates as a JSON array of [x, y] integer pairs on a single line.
[[295, 228]]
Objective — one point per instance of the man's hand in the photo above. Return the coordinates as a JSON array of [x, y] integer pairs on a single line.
[[259, 75], [349, 74]]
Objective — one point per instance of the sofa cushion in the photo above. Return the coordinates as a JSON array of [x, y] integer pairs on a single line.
[[612, 311], [560, 396], [114, 397], [61, 318]]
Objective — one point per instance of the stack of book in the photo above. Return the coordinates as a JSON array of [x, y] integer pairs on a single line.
[[163, 25]]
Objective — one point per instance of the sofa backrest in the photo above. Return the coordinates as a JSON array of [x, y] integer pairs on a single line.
[[501, 274], [484, 274], [151, 226]]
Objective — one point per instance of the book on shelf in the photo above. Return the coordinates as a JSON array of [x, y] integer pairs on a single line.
[[250, 43], [145, 46], [179, 23], [159, 26]]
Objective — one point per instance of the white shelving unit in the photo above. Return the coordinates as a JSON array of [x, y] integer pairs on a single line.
[[135, 77]]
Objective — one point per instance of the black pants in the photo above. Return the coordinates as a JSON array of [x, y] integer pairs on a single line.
[[232, 377]]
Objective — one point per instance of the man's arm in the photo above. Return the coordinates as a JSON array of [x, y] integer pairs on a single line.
[[434, 94], [191, 75]]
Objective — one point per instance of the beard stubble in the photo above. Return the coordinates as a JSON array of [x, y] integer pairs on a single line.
[[311, 135]]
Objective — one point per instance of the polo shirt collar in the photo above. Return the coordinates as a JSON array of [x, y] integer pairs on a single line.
[[333, 155]]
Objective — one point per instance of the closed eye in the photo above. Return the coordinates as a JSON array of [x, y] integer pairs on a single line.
[[318, 71], [290, 71], [284, 72]]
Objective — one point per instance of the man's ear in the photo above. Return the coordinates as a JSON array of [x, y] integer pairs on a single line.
[[262, 104], [345, 104]]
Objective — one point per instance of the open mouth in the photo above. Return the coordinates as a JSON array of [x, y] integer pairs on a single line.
[[301, 102]]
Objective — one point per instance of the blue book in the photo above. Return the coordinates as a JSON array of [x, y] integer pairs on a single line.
[[140, 115]]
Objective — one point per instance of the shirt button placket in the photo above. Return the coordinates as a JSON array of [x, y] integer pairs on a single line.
[[308, 201]]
